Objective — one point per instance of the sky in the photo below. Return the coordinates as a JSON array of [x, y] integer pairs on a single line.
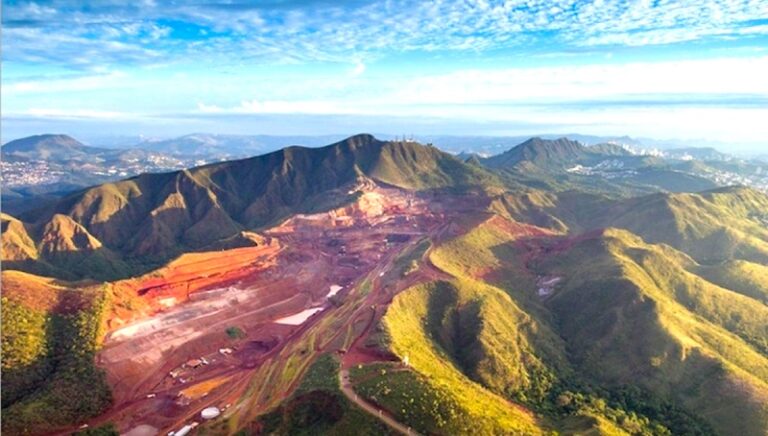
[[662, 69]]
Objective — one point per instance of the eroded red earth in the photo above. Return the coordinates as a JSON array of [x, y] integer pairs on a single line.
[[168, 353], [314, 284]]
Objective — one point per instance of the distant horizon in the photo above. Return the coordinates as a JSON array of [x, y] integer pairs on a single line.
[[316, 140], [317, 126]]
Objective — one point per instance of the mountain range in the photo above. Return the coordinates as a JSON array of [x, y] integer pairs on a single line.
[[158, 216], [554, 288], [48, 166], [57, 163]]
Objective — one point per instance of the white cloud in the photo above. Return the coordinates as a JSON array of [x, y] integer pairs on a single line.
[[108, 80], [352, 38], [75, 113], [732, 125], [209, 108], [125, 32], [688, 79], [34, 11], [316, 107], [717, 98], [359, 69]]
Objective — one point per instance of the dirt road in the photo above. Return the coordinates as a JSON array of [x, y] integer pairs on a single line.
[[346, 388]]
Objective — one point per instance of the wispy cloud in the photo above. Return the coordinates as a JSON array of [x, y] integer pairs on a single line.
[[591, 95], [281, 107], [86, 82], [358, 69], [561, 64], [84, 34], [723, 76], [75, 114]]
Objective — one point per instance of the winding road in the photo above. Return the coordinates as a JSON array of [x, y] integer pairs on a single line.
[[383, 416]]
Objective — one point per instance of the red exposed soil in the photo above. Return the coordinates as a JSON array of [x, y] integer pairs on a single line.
[[163, 323], [181, 313]]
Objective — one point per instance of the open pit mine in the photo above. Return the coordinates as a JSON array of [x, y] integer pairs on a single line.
[[236, 328]]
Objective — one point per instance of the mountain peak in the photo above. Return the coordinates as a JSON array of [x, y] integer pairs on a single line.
[[360, 140], [610, 149], [541, 152], [49, 140], [537, 141], [63, 234]]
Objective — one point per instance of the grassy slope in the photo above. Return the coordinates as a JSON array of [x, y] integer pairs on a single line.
[[316, 408], [488, 254], [750, 279], [693, 326], [533, 207], [591, 425], [659, 178], [49, 375], [688, 350], [25, 360], [423, 167], [431, 324], [433, 397], [711, 227], [541, 152], [491, 252], [19, 250], [16, 243], [488, 248]]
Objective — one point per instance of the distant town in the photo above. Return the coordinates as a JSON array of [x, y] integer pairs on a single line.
[[40, 172]]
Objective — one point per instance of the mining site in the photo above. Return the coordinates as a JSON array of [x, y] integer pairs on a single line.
[[212, 320]]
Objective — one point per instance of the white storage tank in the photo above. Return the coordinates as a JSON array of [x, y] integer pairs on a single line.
[[210, 413]]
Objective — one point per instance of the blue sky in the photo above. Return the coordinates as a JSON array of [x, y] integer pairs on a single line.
[[664, 69]]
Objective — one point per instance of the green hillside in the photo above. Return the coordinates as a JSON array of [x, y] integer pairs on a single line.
[[711, 226], [542, 153], [632, 314], [750, 279], [465, 339], [501, 253], [50, 379], [317, 407], [562, 165], [441, 341]]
